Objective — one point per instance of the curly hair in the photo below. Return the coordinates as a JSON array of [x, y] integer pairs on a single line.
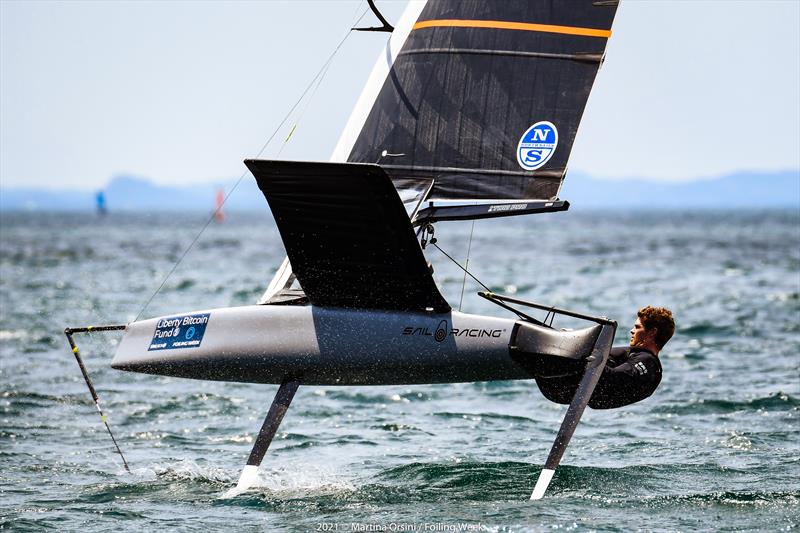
[[661, 319]]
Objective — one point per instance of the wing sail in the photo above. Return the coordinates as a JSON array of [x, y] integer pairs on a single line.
[[348, 236]]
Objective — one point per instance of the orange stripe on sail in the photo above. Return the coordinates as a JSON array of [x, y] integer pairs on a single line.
[[502, 25]]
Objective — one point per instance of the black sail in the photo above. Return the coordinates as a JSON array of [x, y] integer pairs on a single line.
[[471, 80]]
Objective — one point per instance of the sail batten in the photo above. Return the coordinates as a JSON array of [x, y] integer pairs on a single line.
[[586, 57], [552, 173]]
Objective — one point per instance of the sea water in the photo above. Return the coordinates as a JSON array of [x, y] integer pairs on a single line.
[[716, 447]]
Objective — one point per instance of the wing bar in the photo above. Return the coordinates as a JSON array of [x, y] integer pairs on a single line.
[[274, 417], [596, 363]]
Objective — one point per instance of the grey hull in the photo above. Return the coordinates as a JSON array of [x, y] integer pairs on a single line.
[[332, 346]]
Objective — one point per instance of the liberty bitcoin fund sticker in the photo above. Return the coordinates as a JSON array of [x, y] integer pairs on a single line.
[[537, 145], [179, 332]]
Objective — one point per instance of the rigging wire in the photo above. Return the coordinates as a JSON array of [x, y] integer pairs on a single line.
[[466, 265], [324, 71], [433, 242], [320, 73]]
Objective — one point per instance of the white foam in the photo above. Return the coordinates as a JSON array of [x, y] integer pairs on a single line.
[[6, 335]]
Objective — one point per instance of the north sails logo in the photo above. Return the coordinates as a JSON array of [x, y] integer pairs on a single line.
[[537, 145]]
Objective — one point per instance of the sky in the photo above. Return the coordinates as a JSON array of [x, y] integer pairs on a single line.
[[183, 92]]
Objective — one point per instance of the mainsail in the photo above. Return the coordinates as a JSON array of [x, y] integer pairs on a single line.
[[482, 98]]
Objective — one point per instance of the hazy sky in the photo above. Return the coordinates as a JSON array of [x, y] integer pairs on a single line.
[[182, 92]]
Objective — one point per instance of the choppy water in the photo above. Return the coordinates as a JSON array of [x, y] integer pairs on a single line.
[[716, 448]]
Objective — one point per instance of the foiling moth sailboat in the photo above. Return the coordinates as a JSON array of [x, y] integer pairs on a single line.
[[470, 112]]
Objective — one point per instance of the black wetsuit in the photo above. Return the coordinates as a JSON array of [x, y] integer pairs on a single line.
[[631, 374]]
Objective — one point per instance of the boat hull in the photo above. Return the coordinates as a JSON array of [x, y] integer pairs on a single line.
[[333, 346]]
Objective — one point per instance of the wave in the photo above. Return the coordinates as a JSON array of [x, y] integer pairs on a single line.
[[729, 498], [515, 480], [303, 486], [218, 404], [362, 397], [28, 342], [37, 398], [12, 334], [183, 285], [708, 328], [780, 401], [395, 428], [273, 485], [219, 243], [486, 416]]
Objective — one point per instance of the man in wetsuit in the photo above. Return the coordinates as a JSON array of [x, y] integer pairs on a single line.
[[631, 373]]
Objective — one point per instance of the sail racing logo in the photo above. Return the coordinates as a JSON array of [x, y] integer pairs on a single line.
[[442, 332], [537, 145]]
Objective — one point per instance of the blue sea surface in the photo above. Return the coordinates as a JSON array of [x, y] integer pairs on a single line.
[[716, 448]]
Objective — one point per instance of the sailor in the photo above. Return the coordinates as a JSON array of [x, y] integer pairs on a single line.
[[631, 374]]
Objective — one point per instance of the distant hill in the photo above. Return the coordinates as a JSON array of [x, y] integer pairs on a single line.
[[741, 190], [130, 193]]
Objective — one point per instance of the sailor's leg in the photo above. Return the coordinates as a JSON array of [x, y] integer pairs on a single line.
[[276, 411], [594, 368]]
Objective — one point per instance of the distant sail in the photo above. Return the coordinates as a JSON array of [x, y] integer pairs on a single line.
[[219, 199], [483, 98], [100, 202]]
